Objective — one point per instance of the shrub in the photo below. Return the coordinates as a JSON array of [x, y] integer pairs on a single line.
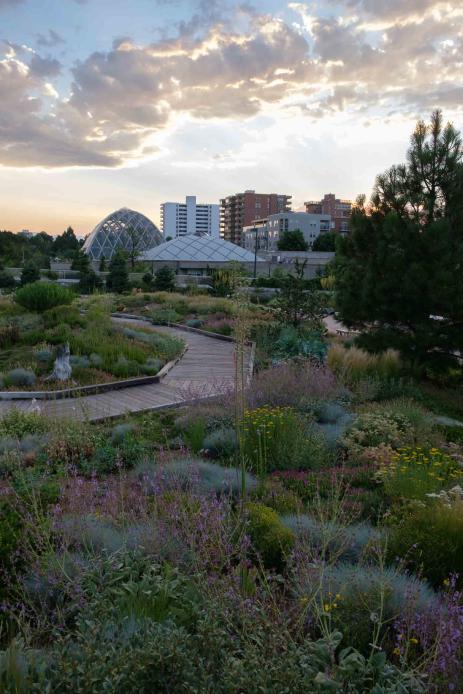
[[40, 296], [30, 273], [374, 428], [199, 475], [362, 598], [9, 335], [69, 315], [292, 384], [415, 472], [18, 424], [271, 539], [430, 540], [194, 322], [43, 356], [277, 438], [121, 431], [421, 422], [19, 378], [152, 366], [271, 492], [341, 542], [194, 432], [221, 443], [164, 279], [7, 281], [351, 365], [165, 315]]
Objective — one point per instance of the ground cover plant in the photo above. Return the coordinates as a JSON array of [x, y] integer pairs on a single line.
[[101, 350]]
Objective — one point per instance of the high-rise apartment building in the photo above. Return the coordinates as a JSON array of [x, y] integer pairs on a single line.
[[339, 211], [189, 217], [241, 209]]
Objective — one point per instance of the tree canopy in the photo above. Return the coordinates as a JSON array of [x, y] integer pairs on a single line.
[[400, 272], [325, 242], [292, 241]]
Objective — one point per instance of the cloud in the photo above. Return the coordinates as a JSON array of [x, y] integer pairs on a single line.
[[50, 39], [121, 99]]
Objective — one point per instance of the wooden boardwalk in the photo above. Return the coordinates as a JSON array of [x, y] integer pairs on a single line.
[[206, 369]]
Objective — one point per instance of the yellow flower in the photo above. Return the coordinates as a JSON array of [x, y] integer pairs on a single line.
[[413, 640], [396, 651], [326, 607]]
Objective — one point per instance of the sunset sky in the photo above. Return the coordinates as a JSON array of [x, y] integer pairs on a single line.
[[111, 103]]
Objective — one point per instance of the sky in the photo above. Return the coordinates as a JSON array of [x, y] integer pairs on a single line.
[[112, 103]]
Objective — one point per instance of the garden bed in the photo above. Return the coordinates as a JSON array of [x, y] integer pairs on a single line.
[[103, 355]]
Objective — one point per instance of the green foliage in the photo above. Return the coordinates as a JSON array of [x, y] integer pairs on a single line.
[[295, 304], [429, 539], [80, 262], [118, 278], [89, 282], [164, 316], [271, 539], [292, 342], [147, 281], [30, 273], [221, 443], [194, 433], [19, 378], [63, 314], [40, 296], [197, 474], [354, 364], [325, 242], [292, 241], [102, 264], [18, 424], [365, 598], [280, 439], [7, 281], [371, 429], [415, 472], [337, 542], [399, 269], [164, 279]]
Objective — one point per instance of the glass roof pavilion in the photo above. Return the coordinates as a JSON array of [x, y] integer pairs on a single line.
[[110, 234], [202, 249]]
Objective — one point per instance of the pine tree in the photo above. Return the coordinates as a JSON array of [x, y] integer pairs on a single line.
[[118, 277], [164, 279], [399, 276], [30, 273]]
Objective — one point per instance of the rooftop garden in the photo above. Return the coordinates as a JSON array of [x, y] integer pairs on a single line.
[[100, 349]]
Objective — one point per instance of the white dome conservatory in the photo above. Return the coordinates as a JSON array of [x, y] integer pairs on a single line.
[[123, 230]]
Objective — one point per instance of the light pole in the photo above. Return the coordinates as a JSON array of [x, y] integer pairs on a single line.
[[255, 253]]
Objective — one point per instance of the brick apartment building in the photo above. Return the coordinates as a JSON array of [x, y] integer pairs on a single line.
[[339, 211], [241, 209]]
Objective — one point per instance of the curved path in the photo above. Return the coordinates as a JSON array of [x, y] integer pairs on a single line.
[[206, 369]]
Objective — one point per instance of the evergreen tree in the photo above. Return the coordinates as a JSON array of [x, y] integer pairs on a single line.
[[295, 304], [30, 273], [66, 244], [89, 282], [118, 277], [102, 265], [80, 262], [325, 242], [400, 273], [164, 279], [292, 241]]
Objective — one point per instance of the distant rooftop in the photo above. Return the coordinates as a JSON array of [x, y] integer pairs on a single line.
[[201, 249]]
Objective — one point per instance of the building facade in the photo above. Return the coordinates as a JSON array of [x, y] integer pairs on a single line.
[[241, 209], [339, 211], [189, 217], [266, 232]]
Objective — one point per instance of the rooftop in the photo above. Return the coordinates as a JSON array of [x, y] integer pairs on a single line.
[[199, 248]]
